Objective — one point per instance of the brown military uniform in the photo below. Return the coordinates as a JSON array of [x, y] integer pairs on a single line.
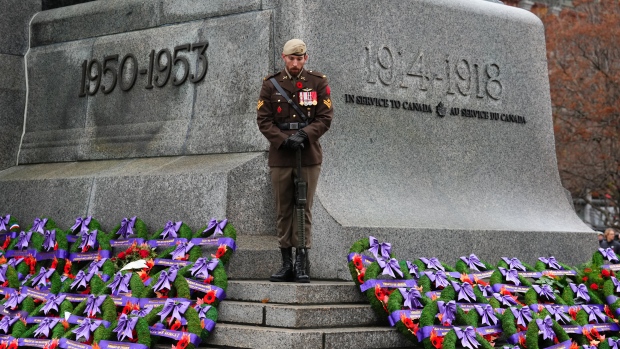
[[274, 116], [273, 109]]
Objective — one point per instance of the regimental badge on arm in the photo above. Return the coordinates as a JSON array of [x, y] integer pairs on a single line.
[[260, 104], [328, 103]]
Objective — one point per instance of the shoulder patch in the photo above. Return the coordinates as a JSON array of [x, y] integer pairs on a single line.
[[316, 73]]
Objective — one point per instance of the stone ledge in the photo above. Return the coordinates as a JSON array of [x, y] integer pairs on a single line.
[[315, 292]]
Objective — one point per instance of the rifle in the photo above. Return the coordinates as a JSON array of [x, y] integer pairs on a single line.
[[300, 202]]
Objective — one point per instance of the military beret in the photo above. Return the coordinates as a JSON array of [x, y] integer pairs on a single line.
[[294, 47]]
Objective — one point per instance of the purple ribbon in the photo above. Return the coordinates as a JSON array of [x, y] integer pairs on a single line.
[[413, 270], [94, 266], [487, 313], [412, 298], [120, 284], [546, 326], [89, 238], [175, 308], [594, 313], [608, 254], [92, 305], [3, 269], [6, 322], [218, 226], [379, 249], [487, 290], [52, 302], [389, 266], [41, 279], [82, 224], [181, 250], [613, 343], [125, 327], [544, 291], [514, 263], [45, 327], [447, 311], [144, 311], [81, 280], [23, 240], [587, 346], [551, 263], [580, 291], [202, 311], [432, 263], [50, 240], [522, 315], [511, 275], [126, 228], [439, 278], [616, 284], [14, 300], [473, 262], [505, 300], [4, 222], [39, 225], [14, 262], [171, 229], [465, 292], [86, 327], [467, 337], [558, 313], [202, 266], [166, 277]]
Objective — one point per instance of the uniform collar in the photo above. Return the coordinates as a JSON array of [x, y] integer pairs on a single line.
[[290, 76]]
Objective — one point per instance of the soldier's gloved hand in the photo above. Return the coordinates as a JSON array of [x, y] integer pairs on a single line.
[[297, 140]]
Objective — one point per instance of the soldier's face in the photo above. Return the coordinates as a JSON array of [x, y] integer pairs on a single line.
[[293, 63]]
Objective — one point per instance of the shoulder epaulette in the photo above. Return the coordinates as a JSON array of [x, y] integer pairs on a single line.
[[316, 73], [271, 76]]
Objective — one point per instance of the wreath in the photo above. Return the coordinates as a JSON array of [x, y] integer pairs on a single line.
[[359, 260], [225, 234], [551, 333], [378, 288], [131, 228]]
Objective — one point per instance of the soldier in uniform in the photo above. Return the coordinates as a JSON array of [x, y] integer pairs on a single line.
[[287, 129]]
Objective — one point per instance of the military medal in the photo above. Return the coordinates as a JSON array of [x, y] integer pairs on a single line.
[[314, 97]]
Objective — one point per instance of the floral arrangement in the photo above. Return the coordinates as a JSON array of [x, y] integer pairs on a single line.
[[86, 298], [551, 305]]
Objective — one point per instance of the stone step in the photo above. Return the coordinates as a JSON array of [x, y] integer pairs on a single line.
[[256, 257], [315, 292], [246, 336], [297, 316]]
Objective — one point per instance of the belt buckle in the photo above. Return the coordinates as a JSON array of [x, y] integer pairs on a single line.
[[293, 126]]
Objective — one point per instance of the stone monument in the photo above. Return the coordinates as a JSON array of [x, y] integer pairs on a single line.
[[442, 141]]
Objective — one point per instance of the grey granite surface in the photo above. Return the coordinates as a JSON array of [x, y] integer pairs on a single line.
[[12, 102], [100, 18], [193, 189], [16, 15], [113, 121]]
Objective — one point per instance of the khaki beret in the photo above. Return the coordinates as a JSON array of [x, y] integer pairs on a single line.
[[294, 47]]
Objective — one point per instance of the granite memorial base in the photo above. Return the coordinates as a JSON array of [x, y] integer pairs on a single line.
[[442, 141]]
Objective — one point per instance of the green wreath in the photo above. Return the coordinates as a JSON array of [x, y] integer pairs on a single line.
[[179, 287], [532, 338], [407, 326], [228, 232], [191, 315], [373, 294], [609, 290], [598, 260], [356, 263], [96, 283], [220, 279], [108, 313]]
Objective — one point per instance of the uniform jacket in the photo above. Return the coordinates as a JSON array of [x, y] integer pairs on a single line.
[[272, 108]]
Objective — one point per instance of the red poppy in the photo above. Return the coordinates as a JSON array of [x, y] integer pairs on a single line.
[[608, 312], [143, 253], [587, 270], [221, 251], [605, 273], [67, 266], [209, 297], [360, 277], [176, 325], [357, 261], [594, 286], [54, 263], [13, 344], [121, 255], [85, 249], [328, 90], [183, 343], [6, 243], [3, 345], [574, 345], [436, 340], [299, 84], [279, 110], [573, 312], [584, 279]]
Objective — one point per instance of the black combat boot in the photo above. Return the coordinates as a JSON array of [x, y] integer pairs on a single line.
[[302, 266], [286, 271]]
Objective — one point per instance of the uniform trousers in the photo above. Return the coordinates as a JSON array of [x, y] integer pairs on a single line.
[[282, 181]]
